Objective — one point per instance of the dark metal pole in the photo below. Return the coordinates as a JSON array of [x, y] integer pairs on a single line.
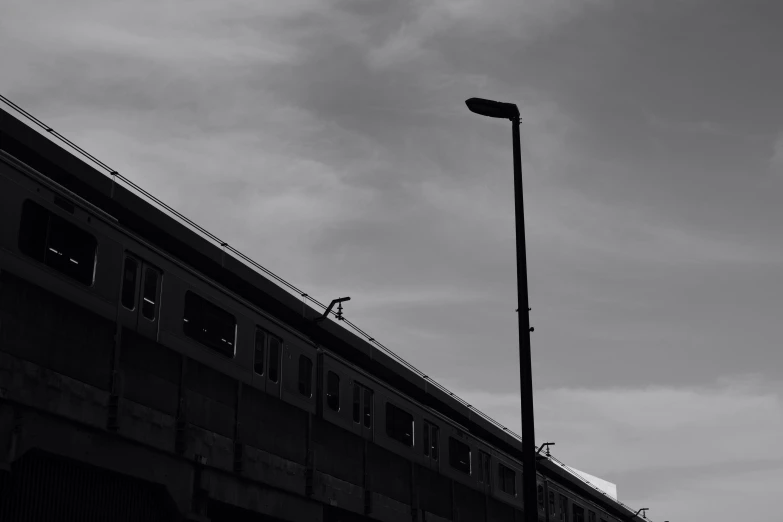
[[525, 371]]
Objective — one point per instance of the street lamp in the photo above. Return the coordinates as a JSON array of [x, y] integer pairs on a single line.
[[510, 111]]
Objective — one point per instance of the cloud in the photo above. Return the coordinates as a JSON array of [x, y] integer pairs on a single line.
[[664, 445], [693, 127], [737, 420], [523, 21], [752, 496], [777, 155], [329, 140], [177, 36]]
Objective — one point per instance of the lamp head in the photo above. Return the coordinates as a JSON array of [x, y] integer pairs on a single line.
[[493, 109]]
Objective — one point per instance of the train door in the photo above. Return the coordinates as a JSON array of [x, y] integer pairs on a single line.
[[484, 471], [268, 360], [431, 444], [564, 508], [363, 411], [551, 510], [298, 386], [140, 296], [578, 513]]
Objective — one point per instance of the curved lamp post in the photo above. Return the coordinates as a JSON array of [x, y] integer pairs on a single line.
[[510, 111]]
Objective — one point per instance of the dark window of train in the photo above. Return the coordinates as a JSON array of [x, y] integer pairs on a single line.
[[274, 345], [399, 424], [551, 503], [603, 520], [434, 441], [579, 514], [507, 479], [590, 516], [55, 242], [426, 438], [260, 352], [367, 408], [208, 324], [540, 496], [563, 508], [128, 294], [357, 403], [484, 466], [333, 391], [305, 376], [459, 455], [149, 296]]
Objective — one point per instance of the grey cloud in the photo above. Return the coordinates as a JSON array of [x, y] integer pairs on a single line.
[[702, 435], [330, 141], [776, 162]]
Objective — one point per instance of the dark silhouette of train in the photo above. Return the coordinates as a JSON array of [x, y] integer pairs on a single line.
[[147, 374]]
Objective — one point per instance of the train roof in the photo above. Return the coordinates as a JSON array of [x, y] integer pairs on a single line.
[[209, 257]]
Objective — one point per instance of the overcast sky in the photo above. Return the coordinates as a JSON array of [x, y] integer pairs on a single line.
[[330, 141]]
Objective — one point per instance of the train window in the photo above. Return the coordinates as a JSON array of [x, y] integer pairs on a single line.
[[579, 514], [426, 438], [563, 508], [274, 344], [208, 324], [484, 465], [540, 497], [507, 479], [434, 440], [357, 404], [129, 274], [603, 520], [260, 353], [53, 241], [150, 294], [590, 516], [367, 408], [399, 424], [305, 376], [459, 455], [551, 503], [333, 391]]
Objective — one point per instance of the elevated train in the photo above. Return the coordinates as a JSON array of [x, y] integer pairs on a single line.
[[163, 360]]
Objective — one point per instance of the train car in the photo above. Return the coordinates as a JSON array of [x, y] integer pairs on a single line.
[[146, 374]]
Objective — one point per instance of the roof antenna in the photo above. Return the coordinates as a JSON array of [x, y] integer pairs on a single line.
[[339, 302]]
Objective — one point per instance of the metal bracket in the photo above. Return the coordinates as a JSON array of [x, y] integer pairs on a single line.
[[339, 301], [546, 444]]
